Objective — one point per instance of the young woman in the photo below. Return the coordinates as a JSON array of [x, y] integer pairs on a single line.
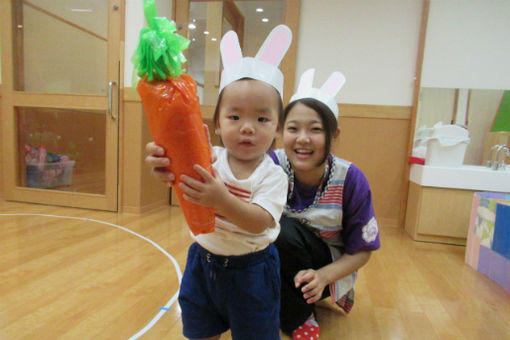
[[328, 228]]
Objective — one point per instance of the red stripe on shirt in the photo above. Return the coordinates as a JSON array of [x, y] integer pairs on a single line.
[[242, 194], [238, 189], [333, 195]]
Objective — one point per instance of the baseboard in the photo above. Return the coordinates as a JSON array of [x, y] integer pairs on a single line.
[[145, 208], [386, 222], [374, 111]]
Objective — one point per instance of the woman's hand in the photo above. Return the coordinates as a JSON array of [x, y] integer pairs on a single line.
[[157, 161], [312, 284]]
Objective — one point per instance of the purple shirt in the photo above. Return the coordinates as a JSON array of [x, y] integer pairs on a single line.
[[357, 207]]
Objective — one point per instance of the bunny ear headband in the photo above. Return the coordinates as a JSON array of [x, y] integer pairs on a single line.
[[326, 94], [263, 67]]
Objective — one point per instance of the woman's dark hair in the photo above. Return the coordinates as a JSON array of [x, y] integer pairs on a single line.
[[327, 117], [216, 116]]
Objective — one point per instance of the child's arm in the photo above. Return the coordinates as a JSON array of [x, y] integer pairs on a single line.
[[213, 193], [313, 282]]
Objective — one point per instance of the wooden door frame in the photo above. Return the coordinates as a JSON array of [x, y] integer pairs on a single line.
[[12, 98], [288, 64], [414, 110]]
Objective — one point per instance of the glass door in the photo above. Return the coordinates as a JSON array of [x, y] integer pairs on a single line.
[[60, 106]]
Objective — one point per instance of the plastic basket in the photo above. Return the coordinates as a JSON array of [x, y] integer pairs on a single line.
[[50, 175]]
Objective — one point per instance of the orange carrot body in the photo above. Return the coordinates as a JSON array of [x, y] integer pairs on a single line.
[[172, 109]]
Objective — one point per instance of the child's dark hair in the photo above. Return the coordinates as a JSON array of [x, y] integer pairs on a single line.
[[327, 117], [216, 116]]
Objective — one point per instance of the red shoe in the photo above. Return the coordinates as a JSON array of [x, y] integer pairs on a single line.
[[308, 331]]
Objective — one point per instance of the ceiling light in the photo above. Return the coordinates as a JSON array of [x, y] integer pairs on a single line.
[[192, 26], [206, 32], [260, 10], [213, 39], [265, 20]]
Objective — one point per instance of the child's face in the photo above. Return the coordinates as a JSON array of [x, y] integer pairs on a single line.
[[248, 119], [304, 138]]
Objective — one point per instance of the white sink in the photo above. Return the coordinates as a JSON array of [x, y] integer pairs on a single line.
[[469, 177]]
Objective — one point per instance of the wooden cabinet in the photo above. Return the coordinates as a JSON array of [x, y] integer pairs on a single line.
[[438, 214]]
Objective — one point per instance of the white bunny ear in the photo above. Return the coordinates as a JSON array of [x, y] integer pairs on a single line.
[[263, 67], [334, 83], [306, 80], [275, 46], [230, 49]]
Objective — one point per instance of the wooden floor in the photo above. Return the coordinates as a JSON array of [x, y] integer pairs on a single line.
[[76, 278]]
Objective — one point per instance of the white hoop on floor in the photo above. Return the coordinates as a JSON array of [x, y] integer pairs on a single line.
[[176, 265]]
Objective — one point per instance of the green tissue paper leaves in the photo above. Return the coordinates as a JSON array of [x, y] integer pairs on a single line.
[[159, 51]]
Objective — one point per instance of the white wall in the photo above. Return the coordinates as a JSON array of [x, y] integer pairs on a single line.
[[373, 42], [467, 45]]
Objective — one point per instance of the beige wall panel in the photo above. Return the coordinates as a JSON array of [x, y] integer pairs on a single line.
[[1, 159], [413, 209], [379, 148], [154, 193], [139, 191], [131, 167]]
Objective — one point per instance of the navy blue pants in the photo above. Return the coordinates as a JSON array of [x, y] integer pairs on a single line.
[[237, 292]]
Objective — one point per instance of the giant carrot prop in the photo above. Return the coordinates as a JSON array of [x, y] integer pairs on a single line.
[[172, 108]]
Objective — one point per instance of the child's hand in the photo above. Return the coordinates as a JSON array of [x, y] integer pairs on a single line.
[[311, 283], [210, 193]]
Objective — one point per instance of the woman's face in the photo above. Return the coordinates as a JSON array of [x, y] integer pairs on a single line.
[[304, 138]]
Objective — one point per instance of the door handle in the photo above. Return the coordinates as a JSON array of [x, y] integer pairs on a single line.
[[110, 94]]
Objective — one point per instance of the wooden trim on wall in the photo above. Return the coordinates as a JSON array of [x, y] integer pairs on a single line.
[[181, 18], [233, 15], [130, 95], [288, 65], [345, 110], [1, 158], [414, 112], [207, 111], [374, 111], [419, 66], [7, 125], [59, 100]]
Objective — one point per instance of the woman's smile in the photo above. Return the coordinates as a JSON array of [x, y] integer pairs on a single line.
[[303, 154]]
